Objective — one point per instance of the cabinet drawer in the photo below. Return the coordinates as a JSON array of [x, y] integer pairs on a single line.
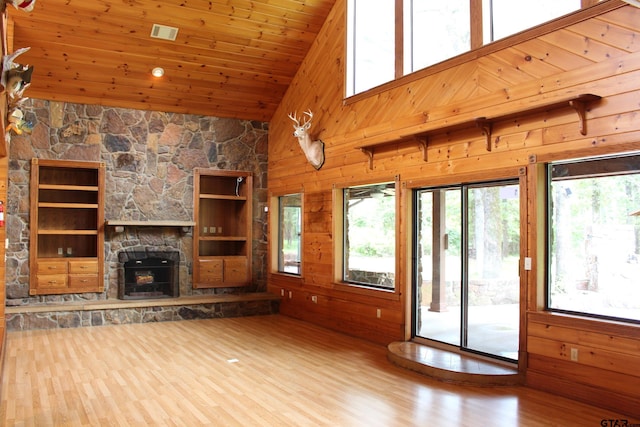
[[83, 281], [51, 267], [51, 281], [235, 270], [83, 267]]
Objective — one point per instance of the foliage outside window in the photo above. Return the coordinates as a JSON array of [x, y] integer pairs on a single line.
[[507, 17], [370, 235], [289, 233], [370, 44], [594, 238], [425, 23], [431, 32]]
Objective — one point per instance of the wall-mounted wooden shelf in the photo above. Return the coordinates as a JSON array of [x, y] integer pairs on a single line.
[[485, 124]]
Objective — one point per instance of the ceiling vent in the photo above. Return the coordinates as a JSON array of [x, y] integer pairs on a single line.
[[164, 32]]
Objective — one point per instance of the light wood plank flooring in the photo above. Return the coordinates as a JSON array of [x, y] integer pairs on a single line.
[[251, 371]]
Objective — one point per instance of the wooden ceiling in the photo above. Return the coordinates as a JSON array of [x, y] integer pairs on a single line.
[[231, 58]]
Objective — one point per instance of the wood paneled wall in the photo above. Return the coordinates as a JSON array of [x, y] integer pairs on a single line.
[[594, 51]]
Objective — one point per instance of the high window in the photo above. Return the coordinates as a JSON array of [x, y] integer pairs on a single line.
[[387, 39], [369, 247], [594, 238], [425, 23]]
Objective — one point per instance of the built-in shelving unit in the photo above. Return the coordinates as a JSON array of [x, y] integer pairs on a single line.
[[67, 233], [222, 235]]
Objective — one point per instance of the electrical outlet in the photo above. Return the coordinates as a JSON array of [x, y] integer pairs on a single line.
[[378, 313], [281, 292], [290, 294], [314, 299], [574, 354]]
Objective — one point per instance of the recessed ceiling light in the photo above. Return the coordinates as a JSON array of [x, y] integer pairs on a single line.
[[158, 72]]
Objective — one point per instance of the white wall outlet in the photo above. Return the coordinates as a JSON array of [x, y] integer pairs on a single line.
[[290, 294], [574, 354], [527, 263], [281, 292], [204, 230], [378, 313], [60, 252], [314, 299]]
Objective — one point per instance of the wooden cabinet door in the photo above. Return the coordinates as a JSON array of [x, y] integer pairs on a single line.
[[235, 270], [210, 272]]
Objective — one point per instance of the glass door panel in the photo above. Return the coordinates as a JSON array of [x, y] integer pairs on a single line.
[[493, 285], [439, 225]]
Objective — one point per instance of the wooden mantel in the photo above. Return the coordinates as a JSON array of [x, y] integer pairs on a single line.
[[485, 124], [120, 224]]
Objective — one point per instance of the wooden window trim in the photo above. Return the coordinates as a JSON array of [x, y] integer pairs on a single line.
[[338, 244], [274, 223]]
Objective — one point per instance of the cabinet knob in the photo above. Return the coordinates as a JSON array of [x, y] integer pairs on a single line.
[[53, 282]]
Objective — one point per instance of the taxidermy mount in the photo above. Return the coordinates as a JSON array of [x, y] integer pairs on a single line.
[[313, 149]]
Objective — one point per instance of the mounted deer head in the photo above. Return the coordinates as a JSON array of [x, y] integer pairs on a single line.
[[313, 150]]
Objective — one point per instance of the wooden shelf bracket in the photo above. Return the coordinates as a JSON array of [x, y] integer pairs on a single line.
[[486, 127], [369, 152], [580, 105], [423, 143]]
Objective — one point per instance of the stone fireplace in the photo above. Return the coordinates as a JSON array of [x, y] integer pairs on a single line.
[[145, 274]]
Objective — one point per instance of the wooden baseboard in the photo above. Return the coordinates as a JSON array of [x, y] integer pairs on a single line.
[[605, 399]]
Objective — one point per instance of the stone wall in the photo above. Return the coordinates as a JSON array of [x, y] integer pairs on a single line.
[[22, 321], [149, 157]]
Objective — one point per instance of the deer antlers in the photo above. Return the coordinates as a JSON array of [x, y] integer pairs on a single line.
[[307, 121]]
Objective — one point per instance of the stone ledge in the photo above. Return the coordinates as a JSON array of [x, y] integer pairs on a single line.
[[115, 304], [119, 312]]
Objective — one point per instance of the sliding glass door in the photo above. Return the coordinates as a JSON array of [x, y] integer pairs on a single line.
[[466, 267]]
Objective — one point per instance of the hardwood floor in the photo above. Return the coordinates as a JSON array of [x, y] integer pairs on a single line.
[[250, 371]]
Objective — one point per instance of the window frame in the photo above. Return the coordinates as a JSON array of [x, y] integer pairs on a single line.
[[274, 231], [339, 239], [549, 230]]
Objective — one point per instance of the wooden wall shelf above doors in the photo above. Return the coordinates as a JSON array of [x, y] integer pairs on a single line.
[[485, 124]]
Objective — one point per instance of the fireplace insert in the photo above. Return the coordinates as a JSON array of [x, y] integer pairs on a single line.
[[149, 275]]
